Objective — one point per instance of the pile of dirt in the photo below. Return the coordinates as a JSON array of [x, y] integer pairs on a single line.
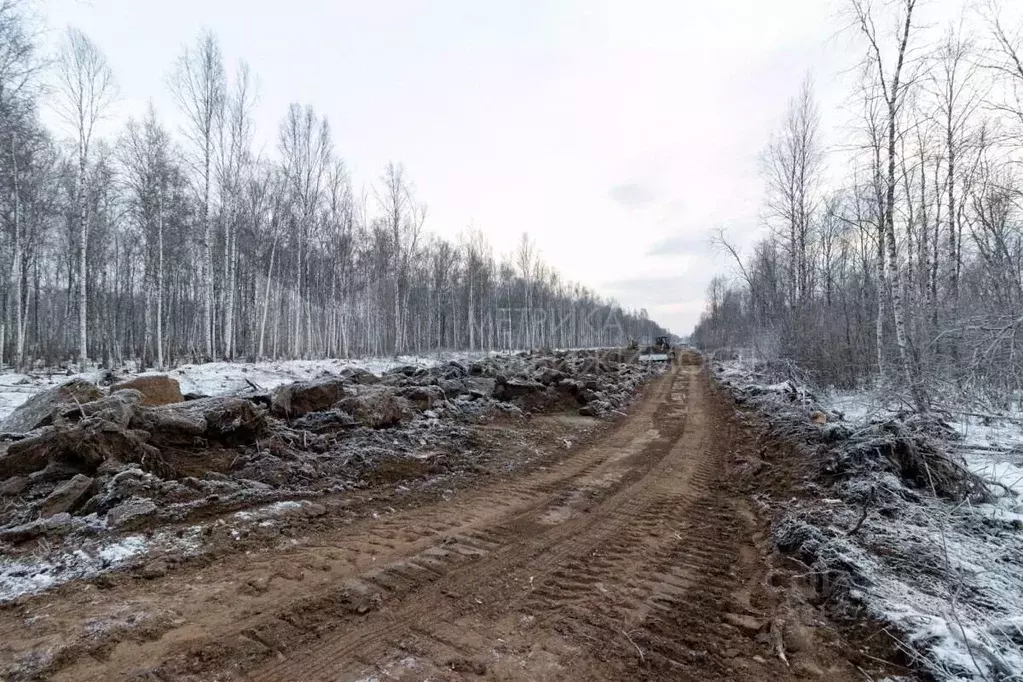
[[594, 382], [911, 447], [82, 458], [888, 524]]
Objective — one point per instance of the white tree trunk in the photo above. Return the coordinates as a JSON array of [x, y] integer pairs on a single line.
[[83, 235], [906, 361], [159, 280], [147, 315], [266, 300], [397, 314], [230, 284], [297, 344], [207, 262], [16, 269]]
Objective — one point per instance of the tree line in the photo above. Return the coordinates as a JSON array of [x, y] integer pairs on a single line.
[[908, 271], [164, 246]]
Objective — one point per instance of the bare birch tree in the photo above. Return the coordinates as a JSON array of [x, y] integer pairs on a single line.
[[86, 92], [146, 157], [306, 150], [199, 85], [920, 261], [234, 164], [793, 165], [894, 82]]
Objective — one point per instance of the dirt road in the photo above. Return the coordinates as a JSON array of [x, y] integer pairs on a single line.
[[631, 558]]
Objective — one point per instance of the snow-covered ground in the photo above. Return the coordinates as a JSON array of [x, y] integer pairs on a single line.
[[16, 388], [213, 378], [856, 406]]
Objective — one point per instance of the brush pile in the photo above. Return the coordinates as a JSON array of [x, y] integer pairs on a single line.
[[891, 522]]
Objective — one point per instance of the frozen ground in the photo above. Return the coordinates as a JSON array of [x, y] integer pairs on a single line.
[[948, 575], [26, 575], [30, 575], [969, 624], [214, 378]]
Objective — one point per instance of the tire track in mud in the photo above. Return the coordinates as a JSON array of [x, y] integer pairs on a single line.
[[578, 548], [632, 558], [582, 568], [371, 562]]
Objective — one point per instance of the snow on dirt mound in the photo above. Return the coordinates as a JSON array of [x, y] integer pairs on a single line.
[[212, 378], [896, 520], [81, 470], [215, 378]]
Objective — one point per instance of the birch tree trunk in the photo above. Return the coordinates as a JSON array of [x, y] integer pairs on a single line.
[[207, 245], [266, 299], [16, 266], [296, 348], [894, 94], [198, 84], [159, 279], [83, 235], [231, 288], [86, 88]]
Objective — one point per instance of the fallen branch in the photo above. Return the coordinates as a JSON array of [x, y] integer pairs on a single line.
[[863, 516], [642, 658], [1008, 491], [953, 594]]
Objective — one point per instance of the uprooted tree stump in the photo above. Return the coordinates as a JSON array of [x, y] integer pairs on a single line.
[[117, 408], [227, 420], [115, 428], [376, 407], [84, 446]]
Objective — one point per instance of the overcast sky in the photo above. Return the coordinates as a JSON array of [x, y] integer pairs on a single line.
[[616, 133]]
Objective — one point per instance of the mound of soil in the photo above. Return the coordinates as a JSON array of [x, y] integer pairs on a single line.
[[87, 451]]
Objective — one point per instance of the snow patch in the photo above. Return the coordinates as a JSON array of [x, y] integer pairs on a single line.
[[214, 378], [34, 574], [120, 552], [271, 510]]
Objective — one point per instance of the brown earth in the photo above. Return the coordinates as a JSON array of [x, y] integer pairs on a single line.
[[639, 555], [156, 389]]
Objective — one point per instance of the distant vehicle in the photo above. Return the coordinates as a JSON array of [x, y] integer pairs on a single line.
[[660, 351]]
